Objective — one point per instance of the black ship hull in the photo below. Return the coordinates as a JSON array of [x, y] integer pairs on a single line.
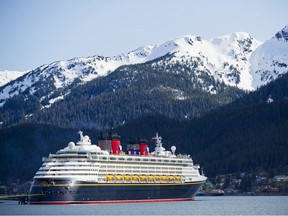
[[65, 192]]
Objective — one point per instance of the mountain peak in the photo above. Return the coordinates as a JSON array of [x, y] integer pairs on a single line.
[[239, 35], [226, 59], [283, 34], [270, 60]]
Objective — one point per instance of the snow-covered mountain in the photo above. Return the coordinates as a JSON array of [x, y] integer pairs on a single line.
[[61, 75], [224, 58], [236, 59], [8, 76], [270, 60]]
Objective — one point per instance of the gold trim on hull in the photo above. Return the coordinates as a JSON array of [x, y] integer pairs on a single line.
[[126, 184]]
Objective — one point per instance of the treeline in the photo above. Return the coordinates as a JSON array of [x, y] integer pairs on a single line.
[[276, 90]]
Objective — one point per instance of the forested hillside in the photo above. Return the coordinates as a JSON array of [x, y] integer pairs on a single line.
[[274, 91], [139, 90], [243, 139], [250, 137]]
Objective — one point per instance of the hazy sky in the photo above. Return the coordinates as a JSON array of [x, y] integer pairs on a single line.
[[37, 32]]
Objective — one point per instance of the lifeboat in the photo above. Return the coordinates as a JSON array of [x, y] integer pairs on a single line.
[[135, 178], [118, 177], [143, 178], [164, 178], [109, 177], [171, 178], [127, 177], [157, 178], [150, 178], [177, 178]]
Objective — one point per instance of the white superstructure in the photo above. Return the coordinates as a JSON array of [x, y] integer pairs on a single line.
[[87, 162]]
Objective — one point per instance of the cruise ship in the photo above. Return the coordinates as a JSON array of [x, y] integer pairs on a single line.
[[86, 173]]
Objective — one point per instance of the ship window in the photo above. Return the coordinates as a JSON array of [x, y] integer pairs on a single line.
[[112, 158], [129, 159]]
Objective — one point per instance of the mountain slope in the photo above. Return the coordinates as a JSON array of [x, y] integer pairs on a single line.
[[246, 139], [276, 90], [8, 76], [270, 60], [202, 64], [63, 75], [249, 135], [139, 90]]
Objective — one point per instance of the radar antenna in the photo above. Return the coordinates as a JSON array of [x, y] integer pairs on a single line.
[[81, 135]]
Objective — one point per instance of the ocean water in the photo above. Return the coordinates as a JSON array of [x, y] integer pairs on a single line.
[[225, 205]]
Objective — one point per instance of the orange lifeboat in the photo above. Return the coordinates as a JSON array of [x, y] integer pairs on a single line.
[[164, 178], [157, 178], [150, 178], [109, 178], [177, 178], [135, 178], [127, 178], [118, 177], [143, 178]]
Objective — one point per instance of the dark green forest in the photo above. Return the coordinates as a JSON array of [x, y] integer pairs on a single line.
[[248, 139]]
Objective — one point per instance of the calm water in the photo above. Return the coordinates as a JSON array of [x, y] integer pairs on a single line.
[[242, 205]]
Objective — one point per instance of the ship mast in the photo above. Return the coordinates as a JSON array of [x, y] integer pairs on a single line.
[[159, 150]]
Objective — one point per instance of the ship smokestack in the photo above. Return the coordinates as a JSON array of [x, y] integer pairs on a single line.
[[110, 142]]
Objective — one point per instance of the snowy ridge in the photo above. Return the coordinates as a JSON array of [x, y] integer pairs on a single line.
[[270, 60], [225, 58], [236, 59], [7, 76], [63, 73], [238, 47]]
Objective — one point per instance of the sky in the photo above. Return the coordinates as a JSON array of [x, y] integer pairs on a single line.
[[37, 32]]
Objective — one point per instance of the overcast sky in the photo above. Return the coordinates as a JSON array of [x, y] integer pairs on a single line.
[[37, 32]]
